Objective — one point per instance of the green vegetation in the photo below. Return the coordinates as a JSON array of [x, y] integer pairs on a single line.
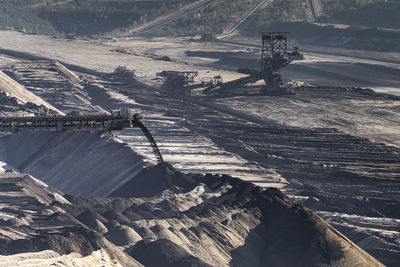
[[113, 17], [382, 14], [82, 17], [18, 16], [338, 6], [88, 17], [218, 17], [213, 19], [282, 11], [376, 16]]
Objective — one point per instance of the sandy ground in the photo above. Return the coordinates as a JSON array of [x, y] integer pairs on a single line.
[[341, 66], [377, 120], [100, 56], [185, 149], [51, 258], [150, 230]]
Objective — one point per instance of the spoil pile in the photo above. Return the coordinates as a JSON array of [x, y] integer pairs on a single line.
[[82, 163], [245, 226]]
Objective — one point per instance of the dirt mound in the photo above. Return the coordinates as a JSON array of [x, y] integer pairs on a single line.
[[33, 219], [83, 163], [92, 220], [123, 235], [115, 215], [168, 254], [290, 233], [153, 180], [244, 226]]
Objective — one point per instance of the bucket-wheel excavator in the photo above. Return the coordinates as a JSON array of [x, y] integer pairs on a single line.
[[274, 56]]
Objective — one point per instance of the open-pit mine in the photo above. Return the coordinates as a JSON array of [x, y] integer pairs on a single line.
[[157, 152]]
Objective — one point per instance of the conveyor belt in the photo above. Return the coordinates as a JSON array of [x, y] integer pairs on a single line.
[[105, 122], [58, 123]]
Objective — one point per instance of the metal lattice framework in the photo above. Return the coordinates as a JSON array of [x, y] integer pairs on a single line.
[[274, 55], [59, 123], [178, 79], [107, 122], [274, 51]]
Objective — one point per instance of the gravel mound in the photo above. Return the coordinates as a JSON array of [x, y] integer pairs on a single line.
[[244, 226], [91, 220], [153, 180], [123, 235], [168, 254]]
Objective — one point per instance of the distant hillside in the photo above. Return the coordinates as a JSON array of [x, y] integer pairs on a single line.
[[81, 17], [116, 17], [282, 11], [365, 23], [381, 14], [16, 15], [88, 17], [333, 7], [213, 19]]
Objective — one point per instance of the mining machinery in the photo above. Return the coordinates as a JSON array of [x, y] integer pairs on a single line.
[[178, 79], [115, 120], [274, 56]]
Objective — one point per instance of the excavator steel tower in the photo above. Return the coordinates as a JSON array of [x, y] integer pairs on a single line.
[[274, 56]]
